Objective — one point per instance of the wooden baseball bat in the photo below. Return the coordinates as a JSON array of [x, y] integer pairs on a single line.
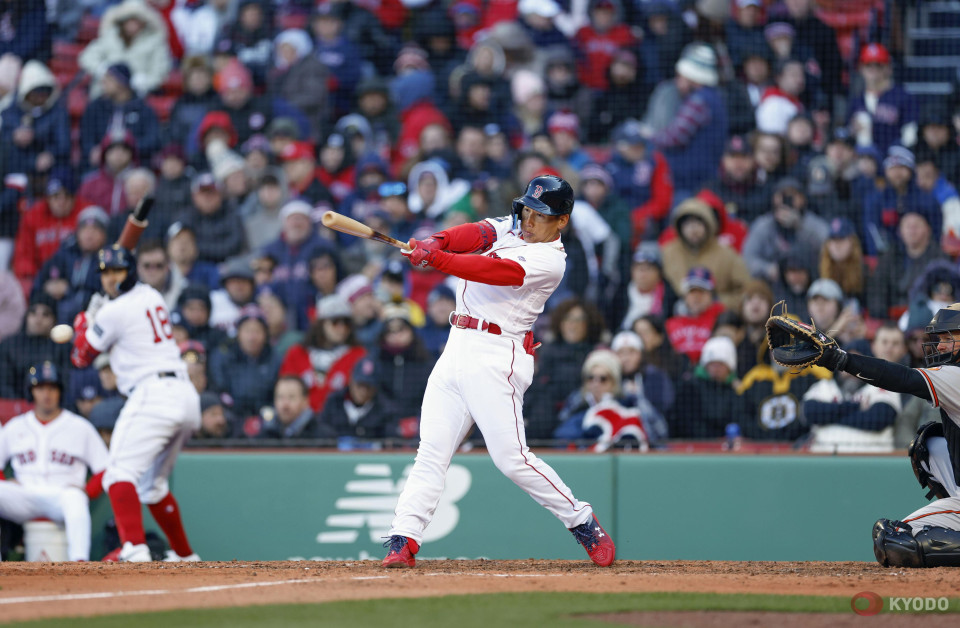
[[339, 222], [136, 223]]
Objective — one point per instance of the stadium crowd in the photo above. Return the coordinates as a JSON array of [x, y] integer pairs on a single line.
[[726, 155]]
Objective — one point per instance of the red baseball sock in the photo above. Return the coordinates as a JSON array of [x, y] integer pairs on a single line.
[[167, 514], [126, 512]]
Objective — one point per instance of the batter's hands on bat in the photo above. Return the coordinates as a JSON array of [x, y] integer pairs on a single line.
[[96, 302], [421, 251]]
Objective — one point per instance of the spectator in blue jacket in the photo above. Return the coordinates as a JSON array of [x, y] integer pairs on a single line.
[[884, 114], [340, 55], [35, 132], [198, 99], [292, 251], [885, 207], [744, 31], [118, 106], [26, 32], [246, 368], [693, 141], [71, 276]]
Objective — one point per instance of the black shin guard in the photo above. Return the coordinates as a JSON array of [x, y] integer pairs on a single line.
[[894, 545]]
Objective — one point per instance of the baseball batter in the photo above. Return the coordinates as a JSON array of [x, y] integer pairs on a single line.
[[930, 536], [50, 450], [487, 364], [162, 408]]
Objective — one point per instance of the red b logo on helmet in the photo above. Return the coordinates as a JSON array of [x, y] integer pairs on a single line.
[[537, 191]]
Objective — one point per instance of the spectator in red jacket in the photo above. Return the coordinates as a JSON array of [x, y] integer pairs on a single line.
[[47, 223], [731, 231], [600, 40], [689, 331]]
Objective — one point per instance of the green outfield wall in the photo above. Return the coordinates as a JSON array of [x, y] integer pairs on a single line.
[[268, 506]]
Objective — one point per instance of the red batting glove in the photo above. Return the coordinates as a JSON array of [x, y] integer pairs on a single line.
[[420, 253]]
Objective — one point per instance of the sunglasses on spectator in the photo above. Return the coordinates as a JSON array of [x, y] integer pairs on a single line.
[[603, 379]]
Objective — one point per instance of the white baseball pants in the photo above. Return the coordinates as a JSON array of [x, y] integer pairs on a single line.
[[158, 418], [941, 513], [67, 505], [479, 378]]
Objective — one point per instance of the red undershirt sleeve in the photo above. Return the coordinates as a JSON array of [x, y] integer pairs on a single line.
[[488, 270], [469, 238]]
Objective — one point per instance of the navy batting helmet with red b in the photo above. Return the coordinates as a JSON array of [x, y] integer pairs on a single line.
[[547, 194], [43, 373], [116, 256]]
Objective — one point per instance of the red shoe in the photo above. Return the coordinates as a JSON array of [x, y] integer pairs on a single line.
[[401, 552], [596, 541]]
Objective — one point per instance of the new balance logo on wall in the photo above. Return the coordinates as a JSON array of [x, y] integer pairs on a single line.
[[372, 497]]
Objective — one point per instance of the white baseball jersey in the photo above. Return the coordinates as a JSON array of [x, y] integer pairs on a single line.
[[135, 328], [944, 386], [515, 309], [55, 454]]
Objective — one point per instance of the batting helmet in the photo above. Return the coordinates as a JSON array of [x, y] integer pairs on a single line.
[[116, 256], [946, 320], [43, 373], [547, 194]]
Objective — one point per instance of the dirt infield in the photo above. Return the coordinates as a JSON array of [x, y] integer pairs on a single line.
[[34, 590]]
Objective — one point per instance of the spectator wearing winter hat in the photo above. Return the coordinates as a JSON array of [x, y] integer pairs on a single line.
[[597, 42], [133, 33], [564, 130], [529, 95], [238, 290], [328, 353], [783, 101], [338, 53], [830, 310], [301, 78], [648, 293], [642, 382], [298, 243], [118, 105], [697, 244], [229, 170], [689, 330], [537, 17], [693, 140], [884, 114], [707, 398], [47, 223], [366, 308], [641, 177], [885, 207], [246, 368]]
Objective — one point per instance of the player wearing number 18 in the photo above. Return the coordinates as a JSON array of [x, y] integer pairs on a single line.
[[131, 322]]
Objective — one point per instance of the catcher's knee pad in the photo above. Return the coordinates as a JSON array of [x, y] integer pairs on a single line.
[[919, 452], [894, 545]]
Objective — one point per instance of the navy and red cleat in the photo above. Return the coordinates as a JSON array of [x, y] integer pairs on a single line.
[[596, 541], [402, 550]]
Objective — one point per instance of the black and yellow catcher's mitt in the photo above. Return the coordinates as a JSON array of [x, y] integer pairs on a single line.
[[793, 343]]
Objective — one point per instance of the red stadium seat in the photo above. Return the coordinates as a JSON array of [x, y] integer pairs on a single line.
[[77, 100], [291, 20], [89, 29], [173, 85]]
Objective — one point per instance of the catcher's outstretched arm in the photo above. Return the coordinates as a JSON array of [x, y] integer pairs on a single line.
[[887, 375]]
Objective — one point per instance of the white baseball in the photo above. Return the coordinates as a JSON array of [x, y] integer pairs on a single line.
[[61, 334]]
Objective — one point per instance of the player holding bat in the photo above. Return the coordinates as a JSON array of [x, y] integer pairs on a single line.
[[515, 264], [130, 321]]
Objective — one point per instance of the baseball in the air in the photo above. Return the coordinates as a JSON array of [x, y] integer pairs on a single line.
[[61, 334]]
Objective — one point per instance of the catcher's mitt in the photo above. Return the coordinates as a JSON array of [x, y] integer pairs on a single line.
[[793, 343]]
